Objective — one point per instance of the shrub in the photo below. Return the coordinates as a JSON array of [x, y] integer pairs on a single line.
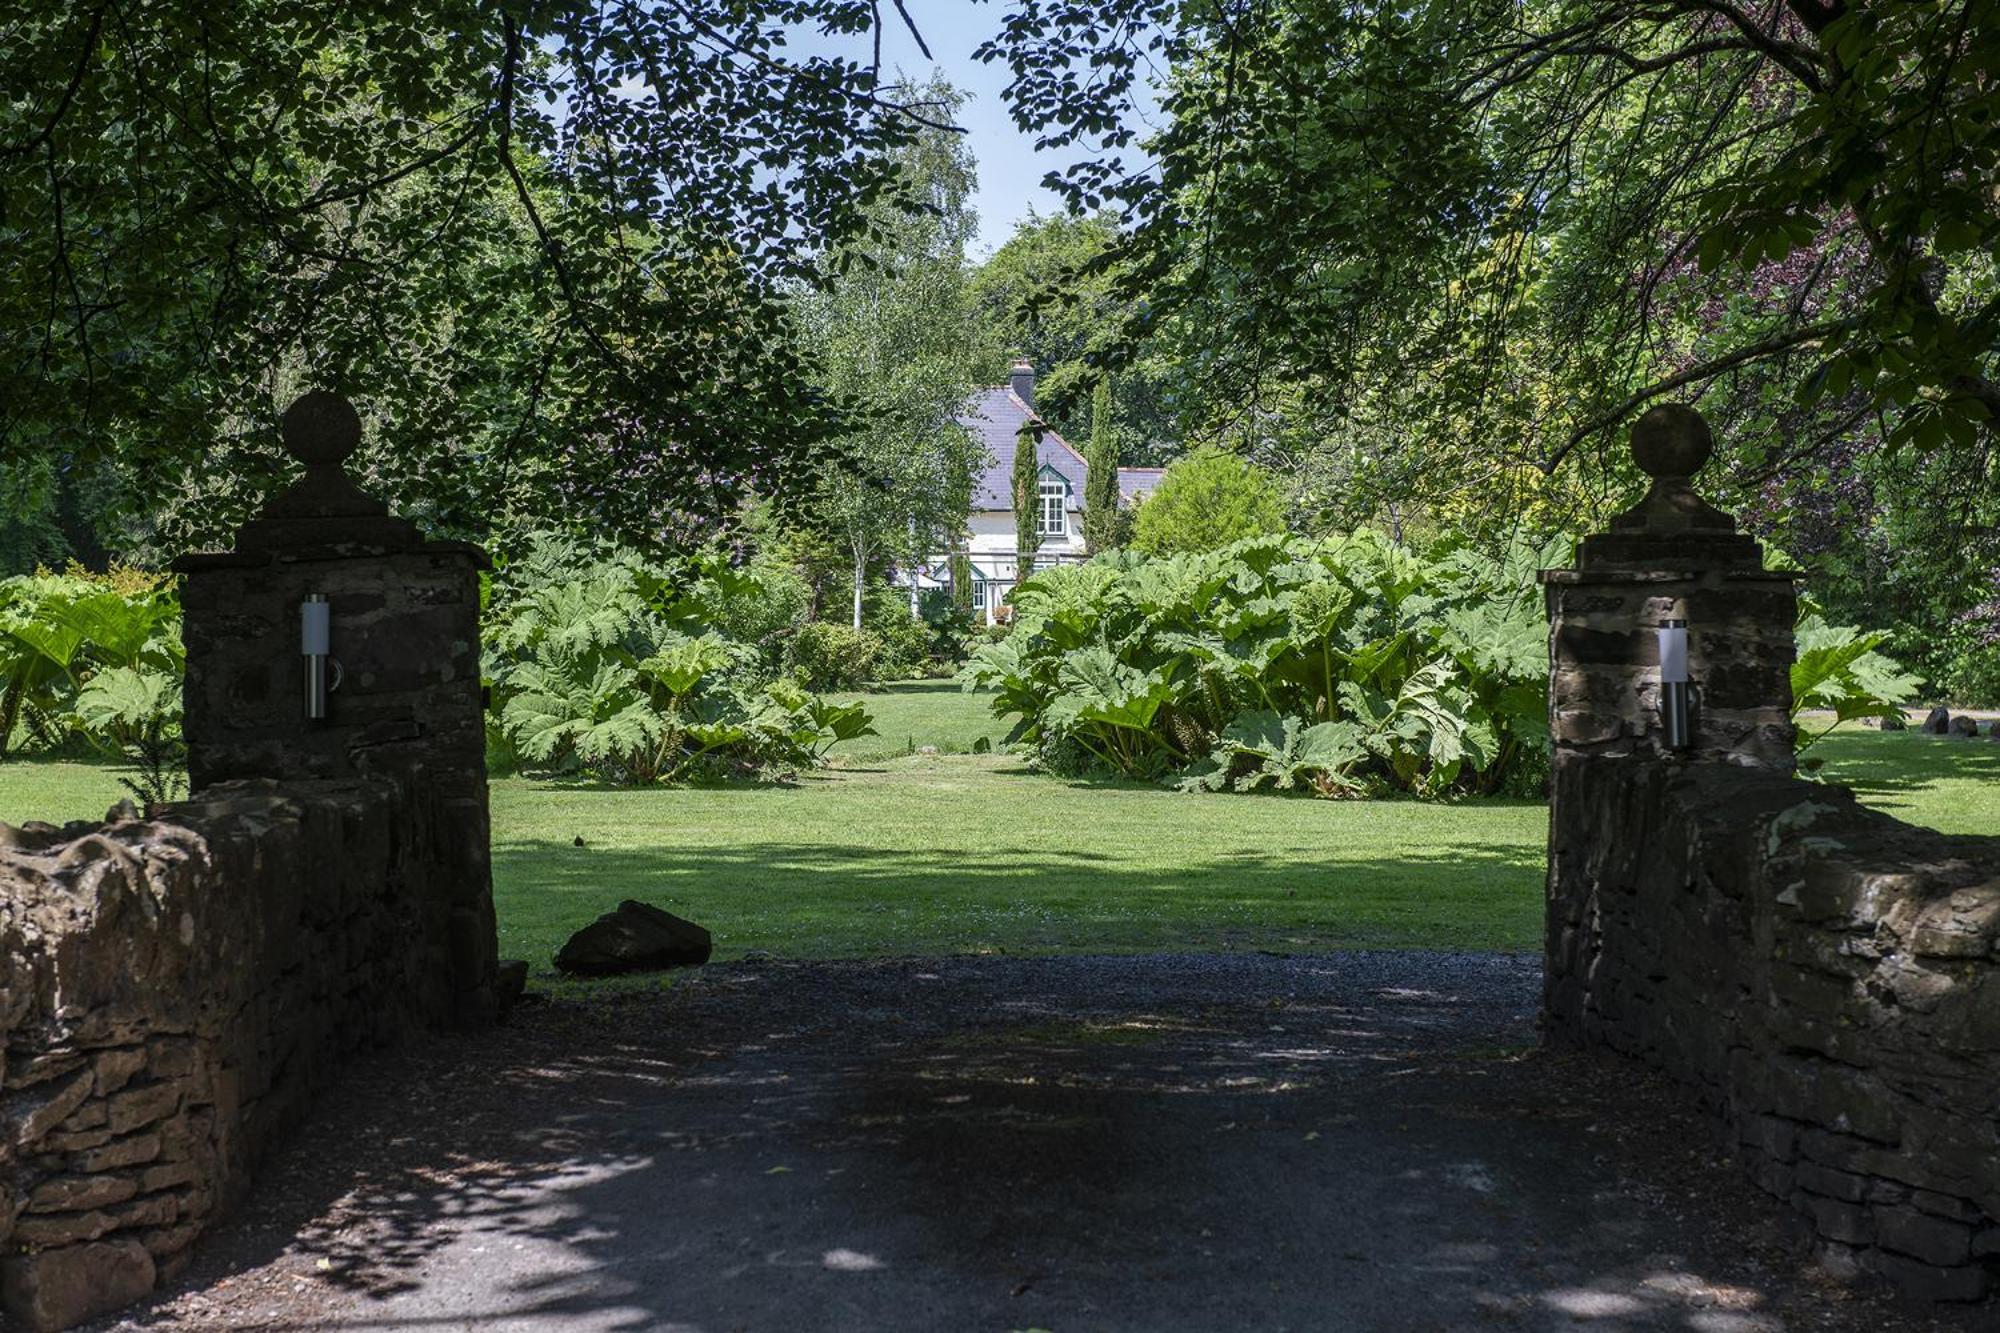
[[834, 657], [930, 644], [1342, 667], [1334, 667], [612, 665], [1206, 501], [1838, 670], [97, 656], [1968, 659]]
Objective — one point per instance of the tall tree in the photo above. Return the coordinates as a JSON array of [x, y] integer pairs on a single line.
[[891, 328], [1103, 526], [1047, 294], [1027, 487], [544, 245], [1513, 225]]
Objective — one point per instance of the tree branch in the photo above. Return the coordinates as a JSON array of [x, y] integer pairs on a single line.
[[1777, 342], [550, 246], [69, 93]]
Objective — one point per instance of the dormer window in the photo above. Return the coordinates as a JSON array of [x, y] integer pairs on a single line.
[[1055, 504]]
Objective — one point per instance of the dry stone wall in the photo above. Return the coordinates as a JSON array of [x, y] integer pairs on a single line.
[[173, 990], [1827, 976]]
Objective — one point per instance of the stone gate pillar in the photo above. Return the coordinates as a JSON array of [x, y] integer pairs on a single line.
[[1672, 548], [1671, 554], [403, 618]]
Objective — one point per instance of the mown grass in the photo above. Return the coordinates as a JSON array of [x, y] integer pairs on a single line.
[[910, 716], [972, 853], [956, 854], [1948, 783]]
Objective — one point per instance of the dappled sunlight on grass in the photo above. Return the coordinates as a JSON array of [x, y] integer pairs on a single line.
[[1950, 783], [972, 854], [978, 854]]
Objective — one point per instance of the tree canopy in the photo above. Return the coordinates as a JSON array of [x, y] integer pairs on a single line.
[[1431, 257], [542, 245], [1342, 183], [1045, 294], [888, 324]]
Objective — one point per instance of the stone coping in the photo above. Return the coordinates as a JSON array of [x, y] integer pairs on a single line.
[[1633, 574], [205, 560]]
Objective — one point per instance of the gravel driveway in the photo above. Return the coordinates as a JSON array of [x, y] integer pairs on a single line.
[[1339, 1142]]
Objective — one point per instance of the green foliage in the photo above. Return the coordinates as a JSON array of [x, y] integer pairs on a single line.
[[136, 711], [547, 248], [1105, 524], [1839, 670], [1338, 667], [1970, 676], [1026, 486], [834, 657], [915, 647], [1424, 253], [610, 664], [1206, 501], [1046, 295], [100, 657], [961, 583], [892, 331]]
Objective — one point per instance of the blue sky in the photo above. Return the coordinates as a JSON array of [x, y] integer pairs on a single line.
[[1010, 170]]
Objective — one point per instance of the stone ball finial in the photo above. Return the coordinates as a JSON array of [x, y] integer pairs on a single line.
[[321, 429], [1671, 440]]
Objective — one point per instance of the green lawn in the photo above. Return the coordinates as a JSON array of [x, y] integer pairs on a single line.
[[956, 852], [919, 713], [1941, 782], [971, 853]]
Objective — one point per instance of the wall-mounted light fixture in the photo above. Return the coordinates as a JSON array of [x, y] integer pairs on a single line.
[[1677, 696], [316, 646]]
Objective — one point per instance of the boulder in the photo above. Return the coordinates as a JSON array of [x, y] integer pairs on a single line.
[[1938, 721], [510, 979], [57, 1288], [637, 937], [1894, 722], [1964, 726]]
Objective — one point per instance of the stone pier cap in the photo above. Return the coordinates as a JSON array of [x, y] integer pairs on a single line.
[[1673, 553]]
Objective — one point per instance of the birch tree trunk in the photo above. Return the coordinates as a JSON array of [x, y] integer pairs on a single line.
[[860, 571]]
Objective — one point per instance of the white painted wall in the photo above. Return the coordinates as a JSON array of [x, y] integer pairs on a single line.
[[989, 544]]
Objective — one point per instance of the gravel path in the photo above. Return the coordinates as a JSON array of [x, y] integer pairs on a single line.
[[1343, 1142]]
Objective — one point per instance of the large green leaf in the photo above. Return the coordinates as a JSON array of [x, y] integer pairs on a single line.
[[120, 701]]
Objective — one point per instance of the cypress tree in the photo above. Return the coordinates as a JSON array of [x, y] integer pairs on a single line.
[[1102, 528], [1027, 497], [961, 581]]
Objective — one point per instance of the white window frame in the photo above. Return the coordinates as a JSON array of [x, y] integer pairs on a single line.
[[1054, 486]]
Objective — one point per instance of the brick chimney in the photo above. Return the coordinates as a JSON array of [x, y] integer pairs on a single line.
[[1021, 379]]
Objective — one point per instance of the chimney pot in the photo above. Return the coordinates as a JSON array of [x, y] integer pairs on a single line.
[[1021, 379]]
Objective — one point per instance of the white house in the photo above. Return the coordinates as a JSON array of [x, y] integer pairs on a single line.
[[995, 416]]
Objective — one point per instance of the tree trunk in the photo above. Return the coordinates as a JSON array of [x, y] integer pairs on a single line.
[[860, 573], [10, 711]]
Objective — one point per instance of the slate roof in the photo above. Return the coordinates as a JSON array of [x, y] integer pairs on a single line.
[[1134, 482], [995, 416]]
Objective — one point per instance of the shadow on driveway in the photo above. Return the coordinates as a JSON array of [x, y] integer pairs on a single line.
[[1363, 1141]]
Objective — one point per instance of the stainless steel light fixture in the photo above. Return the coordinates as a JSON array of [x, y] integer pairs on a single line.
[[316, 646], [1677, 696]]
